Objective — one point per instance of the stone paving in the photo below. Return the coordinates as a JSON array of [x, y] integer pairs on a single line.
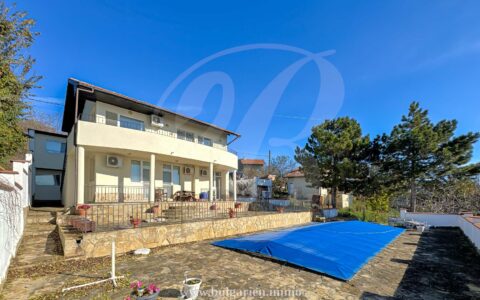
[[439, 264]]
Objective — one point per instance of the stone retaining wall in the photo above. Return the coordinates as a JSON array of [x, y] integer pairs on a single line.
[[98, 244]]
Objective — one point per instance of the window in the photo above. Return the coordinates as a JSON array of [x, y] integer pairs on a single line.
[[185, 135], [111, 118], [146, 171], [171, 174], [47, 179], [55, 146], [135, 172], [167, 174], [126, 122], [176, 175], [205, 141], [140, 171]]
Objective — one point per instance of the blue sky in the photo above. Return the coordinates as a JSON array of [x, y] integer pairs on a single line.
[[387, 54]]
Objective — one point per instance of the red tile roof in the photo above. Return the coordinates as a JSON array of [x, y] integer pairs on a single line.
[[295, 173], [249, 161]]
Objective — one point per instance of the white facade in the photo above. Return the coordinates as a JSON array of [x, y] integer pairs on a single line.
[[173, 153]]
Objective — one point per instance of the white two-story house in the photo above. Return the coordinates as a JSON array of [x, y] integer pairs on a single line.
[[123, 150]]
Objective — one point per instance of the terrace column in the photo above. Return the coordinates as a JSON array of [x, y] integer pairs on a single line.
[[210, 183], [152, 179], [80, 175], [226, 184], [235, 185]]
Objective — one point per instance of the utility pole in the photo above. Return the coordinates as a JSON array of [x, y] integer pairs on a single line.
[[269, 162]]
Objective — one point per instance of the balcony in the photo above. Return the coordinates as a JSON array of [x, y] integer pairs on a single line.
[[101, 132]]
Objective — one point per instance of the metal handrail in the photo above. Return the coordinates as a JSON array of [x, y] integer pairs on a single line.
[[160, 131]]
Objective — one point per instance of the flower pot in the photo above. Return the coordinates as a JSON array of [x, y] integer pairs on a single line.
[[238, 205], [280, 209], [191, 287], [82, 212], [135, 222], [153, 296], [213, 207]]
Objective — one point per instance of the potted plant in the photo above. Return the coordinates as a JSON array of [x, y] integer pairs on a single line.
[[142, 292], [238, 205], [82, 209], [231, 213], [280, 209], [213, 206], [191, 286], [135, 222]]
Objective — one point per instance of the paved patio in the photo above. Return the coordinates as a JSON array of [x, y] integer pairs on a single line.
[[440, 264]]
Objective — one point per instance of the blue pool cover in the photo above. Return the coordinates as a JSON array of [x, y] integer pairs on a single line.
[[338, 249]]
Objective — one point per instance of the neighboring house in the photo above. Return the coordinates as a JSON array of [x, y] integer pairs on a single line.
[[48, 152], [299, 188], [248, 166], [123, 150]]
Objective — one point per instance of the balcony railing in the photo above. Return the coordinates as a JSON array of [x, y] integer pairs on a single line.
[[140, 126]]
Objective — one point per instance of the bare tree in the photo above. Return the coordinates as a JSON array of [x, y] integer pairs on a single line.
[[281, 165]]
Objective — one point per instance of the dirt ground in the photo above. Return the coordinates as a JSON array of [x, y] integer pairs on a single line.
[[438, 264]]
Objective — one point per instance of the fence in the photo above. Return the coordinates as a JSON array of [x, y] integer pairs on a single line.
[[114, 216], [114, 193], [140, 126], [14, 199]]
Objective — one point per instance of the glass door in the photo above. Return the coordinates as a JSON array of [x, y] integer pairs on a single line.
[[217, 183], [171, 179]]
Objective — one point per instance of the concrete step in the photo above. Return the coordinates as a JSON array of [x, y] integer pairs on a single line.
[[40, 220], [32, 230]]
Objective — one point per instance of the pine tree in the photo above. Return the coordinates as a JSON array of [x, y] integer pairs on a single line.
[[332, 157], [418, 152]]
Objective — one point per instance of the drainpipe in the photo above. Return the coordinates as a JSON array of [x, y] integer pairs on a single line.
[[75, 128]]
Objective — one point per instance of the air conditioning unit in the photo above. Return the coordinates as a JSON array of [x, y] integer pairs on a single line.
[[157, 121], [203, 172], [114, 161], [187, 170]]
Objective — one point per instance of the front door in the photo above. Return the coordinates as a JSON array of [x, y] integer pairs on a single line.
[[171, 179], [218, 185]]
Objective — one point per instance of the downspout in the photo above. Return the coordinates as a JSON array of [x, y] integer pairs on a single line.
[[75, 127]]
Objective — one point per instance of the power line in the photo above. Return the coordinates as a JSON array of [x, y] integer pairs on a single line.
[[47, 102]]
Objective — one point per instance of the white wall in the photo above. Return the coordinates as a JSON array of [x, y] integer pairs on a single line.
[[14, 199], [447, 220]]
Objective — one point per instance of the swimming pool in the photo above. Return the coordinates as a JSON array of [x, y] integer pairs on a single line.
[[338, 249]]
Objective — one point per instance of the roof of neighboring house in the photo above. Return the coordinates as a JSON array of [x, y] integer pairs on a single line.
[[295, 173], [250, 161], [87, 91], [59, 134]]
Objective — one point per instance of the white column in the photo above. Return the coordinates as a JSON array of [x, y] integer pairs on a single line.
[[152, 178], [235, 185], [210, 183], [226, 185], [80, 175]]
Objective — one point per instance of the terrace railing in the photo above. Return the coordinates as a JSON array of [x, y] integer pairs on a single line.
[[112, 216], [140, 126], [115, 194]]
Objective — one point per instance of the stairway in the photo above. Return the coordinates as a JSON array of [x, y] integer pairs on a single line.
[[39, 248], [40, 242]]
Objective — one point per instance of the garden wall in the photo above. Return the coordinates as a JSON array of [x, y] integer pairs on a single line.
[[98, 244], [14, 203], [469, 224]]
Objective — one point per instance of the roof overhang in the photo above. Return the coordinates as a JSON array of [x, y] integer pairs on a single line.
[[78, 92]]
